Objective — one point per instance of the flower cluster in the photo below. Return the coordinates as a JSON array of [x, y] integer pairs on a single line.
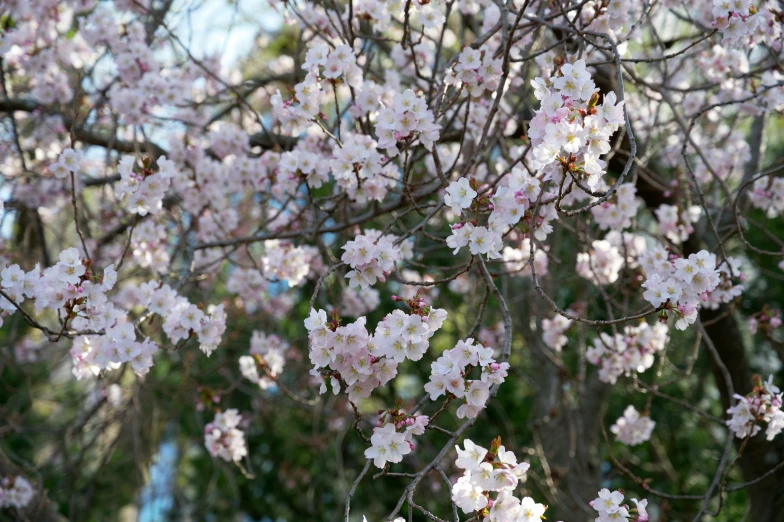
[[729, 287], [149, 246], [93, 353], [601, 264], [15, 491], [633, 428], [393, 436], [286, 262], [299, 112], [144, 185], [182, 318], [736, 20], [610, 508], [223, 438], [493, 471], [676, 224], [363, 361], [68, 162], [72, 290], [360, 170], [553, 331], [518, 260], [226, 139], [508, 206], [570, 129], [371, 256], [296, 165], [144, 85], [335, 64], [359, 302], [609, 17], [449, 375], [69, 287], [762, 405], [682, 285], [267, 352], [767, 194], [408, 119], [252, 290], [617, 213], [478, 70], [479, 239], [627, 352]]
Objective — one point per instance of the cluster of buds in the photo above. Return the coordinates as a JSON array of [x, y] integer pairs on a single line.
[[206, 397], [417, 304], [766, 321]]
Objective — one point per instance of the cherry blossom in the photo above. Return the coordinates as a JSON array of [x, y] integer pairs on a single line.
[[633, 428], [224, 439]]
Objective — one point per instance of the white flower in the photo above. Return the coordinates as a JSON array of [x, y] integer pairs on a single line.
[[607, 502], [530, 511], [316, 320], [468, 497], [471, 457], [633, 429], [71, 160], [459, 195], [387, 446]]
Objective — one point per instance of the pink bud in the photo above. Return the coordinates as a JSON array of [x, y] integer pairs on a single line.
[[753, 326], [411, 445]]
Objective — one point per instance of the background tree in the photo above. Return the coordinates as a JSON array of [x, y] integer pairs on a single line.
[[275, 261]]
